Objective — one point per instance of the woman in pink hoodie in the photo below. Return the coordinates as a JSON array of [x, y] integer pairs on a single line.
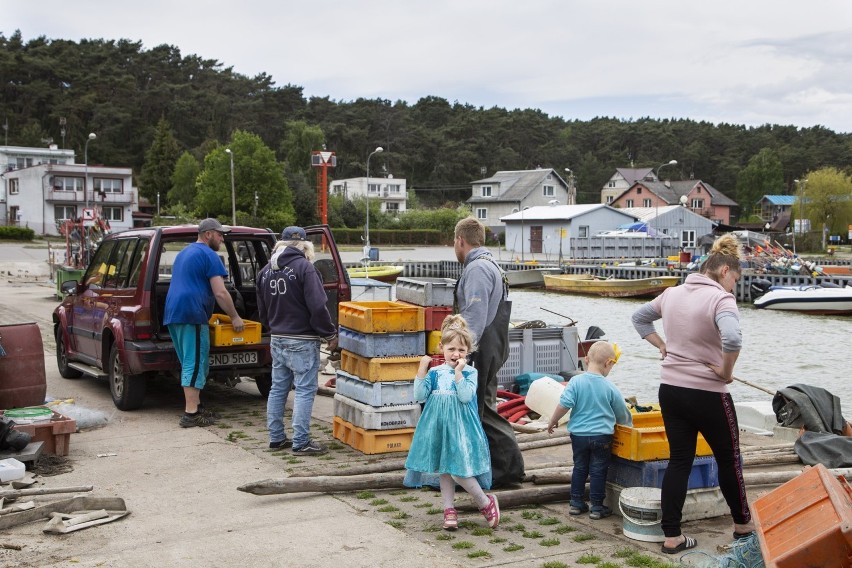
[[702, 342]]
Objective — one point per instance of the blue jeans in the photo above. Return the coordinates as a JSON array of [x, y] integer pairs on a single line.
[[294, 361], [591, 459]]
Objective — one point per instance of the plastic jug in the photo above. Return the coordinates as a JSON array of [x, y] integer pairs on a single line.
[[543, 398], [11, 470]]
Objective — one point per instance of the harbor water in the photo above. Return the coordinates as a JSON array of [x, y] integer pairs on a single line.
[[779, 348]]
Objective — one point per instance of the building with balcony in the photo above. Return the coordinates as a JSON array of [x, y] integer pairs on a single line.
[[698, 196], [390, 192]]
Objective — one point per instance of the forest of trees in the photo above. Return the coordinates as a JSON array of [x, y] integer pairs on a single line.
[[169, 117]]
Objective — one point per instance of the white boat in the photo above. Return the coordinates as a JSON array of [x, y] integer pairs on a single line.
[[528, 277], [807, 299]]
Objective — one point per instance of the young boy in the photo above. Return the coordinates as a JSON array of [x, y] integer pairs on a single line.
[[596, 406]]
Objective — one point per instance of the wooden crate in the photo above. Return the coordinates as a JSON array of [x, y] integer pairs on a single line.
[[372, 441], [55, 433]]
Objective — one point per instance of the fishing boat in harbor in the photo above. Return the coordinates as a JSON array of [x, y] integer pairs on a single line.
[[609, 287], [387, 273], [528, 278], [822, 300]]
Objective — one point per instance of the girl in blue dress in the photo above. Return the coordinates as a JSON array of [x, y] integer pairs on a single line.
[[449, 439]]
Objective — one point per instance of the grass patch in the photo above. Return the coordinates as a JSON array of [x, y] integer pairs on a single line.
[[444, 536], [365, 495], [482, 531], [326, 458], [223, 426], [377, 502], [433, 528], [478, 554], [554, 564], [563, 529], [467, 525], [549, 542], [401, 515], [640, 560], [531, 515], [334, 446], [513, 547], [498, 539], [532, 534], [398, 492], [584, 537], [236, 435], [609, 565], [547, 521], [388, 509], [462, 544], [409, 499], [434, 511], [422, 505], [588, 559], [515, 528], [396, 524]]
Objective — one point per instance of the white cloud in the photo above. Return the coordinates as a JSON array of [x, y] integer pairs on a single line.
[[784, 61]]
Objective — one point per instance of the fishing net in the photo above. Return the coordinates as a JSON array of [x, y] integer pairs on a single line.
[[744, 553]]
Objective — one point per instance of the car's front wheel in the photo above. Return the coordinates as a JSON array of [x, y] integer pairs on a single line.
[[264, 384], [65, 371], [128, 391]]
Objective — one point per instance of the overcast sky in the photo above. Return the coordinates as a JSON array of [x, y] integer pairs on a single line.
[[746, 62]]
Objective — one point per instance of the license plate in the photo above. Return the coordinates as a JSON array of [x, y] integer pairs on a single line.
[[234, 358]]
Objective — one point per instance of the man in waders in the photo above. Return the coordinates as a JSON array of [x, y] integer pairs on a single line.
[[481, 297]]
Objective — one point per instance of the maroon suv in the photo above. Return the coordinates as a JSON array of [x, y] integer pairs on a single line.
[[110, 323]]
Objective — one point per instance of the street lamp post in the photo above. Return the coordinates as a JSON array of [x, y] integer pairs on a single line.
[[657, 200], [91, 137], [522, 233], [158, 204], [233, 190], [799, 185], [378, 150], [572, 197]]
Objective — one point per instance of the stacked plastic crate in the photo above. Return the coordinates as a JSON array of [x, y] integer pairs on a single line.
[[641, 456], [435, 296], [382, 343]]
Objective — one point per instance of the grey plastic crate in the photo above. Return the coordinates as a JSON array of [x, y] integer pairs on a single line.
[[542, 350], [375, 394], [376, 417], [382, 344], [426, 291]]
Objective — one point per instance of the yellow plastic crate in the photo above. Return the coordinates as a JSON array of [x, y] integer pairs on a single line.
[[648, 443], [380, 369], [372, 441], [222, 332], [381, 317], [433, 338]]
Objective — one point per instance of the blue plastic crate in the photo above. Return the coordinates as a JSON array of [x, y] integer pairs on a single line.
[[629, 473], [382, 344], [374, 394]]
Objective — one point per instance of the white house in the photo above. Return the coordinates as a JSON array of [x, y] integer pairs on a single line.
[[390, 192], [41, 196], [494, 198], [550, 229], [675, 221], [622, 179], [19, 157]]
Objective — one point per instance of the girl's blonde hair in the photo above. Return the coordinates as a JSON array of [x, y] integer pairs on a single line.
[[455, 328], [725, 252]]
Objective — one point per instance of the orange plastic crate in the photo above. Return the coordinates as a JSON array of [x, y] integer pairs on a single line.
[[222, 332], [380, 369], [806, 522], [372, 441], [381, 317], [55, 433], [433, 340]]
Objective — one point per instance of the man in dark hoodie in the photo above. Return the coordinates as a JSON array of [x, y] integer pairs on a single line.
[[292, 305]]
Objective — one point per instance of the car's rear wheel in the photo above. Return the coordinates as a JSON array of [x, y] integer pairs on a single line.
[[65, 371], [128, 391], [264, 384]]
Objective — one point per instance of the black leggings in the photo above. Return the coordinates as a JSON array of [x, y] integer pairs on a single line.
[[686, 412]]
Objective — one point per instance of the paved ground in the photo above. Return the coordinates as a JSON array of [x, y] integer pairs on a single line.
[[180, 486]]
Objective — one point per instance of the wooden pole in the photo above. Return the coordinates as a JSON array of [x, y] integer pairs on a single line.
[[525, 496], [44, 491], [324, 484], [377, 467]]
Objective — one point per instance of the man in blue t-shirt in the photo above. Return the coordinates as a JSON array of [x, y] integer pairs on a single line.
[[197, 285]]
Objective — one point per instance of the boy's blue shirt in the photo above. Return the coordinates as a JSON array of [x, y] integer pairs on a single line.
[[596, 405]]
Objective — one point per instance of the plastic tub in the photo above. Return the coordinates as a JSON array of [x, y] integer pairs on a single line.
[[641, 514], [11, 469]]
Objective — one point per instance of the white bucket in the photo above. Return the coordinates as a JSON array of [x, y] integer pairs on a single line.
[[641, 514], [543, 398]]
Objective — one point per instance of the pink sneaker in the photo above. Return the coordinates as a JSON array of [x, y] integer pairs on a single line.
[[451, 519], [492, 511]]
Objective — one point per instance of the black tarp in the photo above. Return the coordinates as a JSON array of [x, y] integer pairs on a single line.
[[818, 412]]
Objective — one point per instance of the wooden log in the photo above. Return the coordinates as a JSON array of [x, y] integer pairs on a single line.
[[377, 467], [561, 433], [544, 443], [548, 465], [324, 484], [549, 476], [761, 459], [44, 491], [525, 496]]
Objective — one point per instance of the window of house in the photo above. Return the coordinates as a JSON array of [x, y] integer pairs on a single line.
[[108, 185], [547, 191], [609, 199], [394, 187], [486, 191], [583, 231], [629, 203], [646, 203], [64, 212], [392, 207], [14, 188], [373, 187], [113, 213], [611, 183], [638, 190], [687, 239], [697, 204], [338, 189], [65, 183], [549, 177], [482, 213]]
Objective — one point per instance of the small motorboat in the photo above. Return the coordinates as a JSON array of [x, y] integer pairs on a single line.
[[809, 299], [387, 273], [530, 277], [609, 287]]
